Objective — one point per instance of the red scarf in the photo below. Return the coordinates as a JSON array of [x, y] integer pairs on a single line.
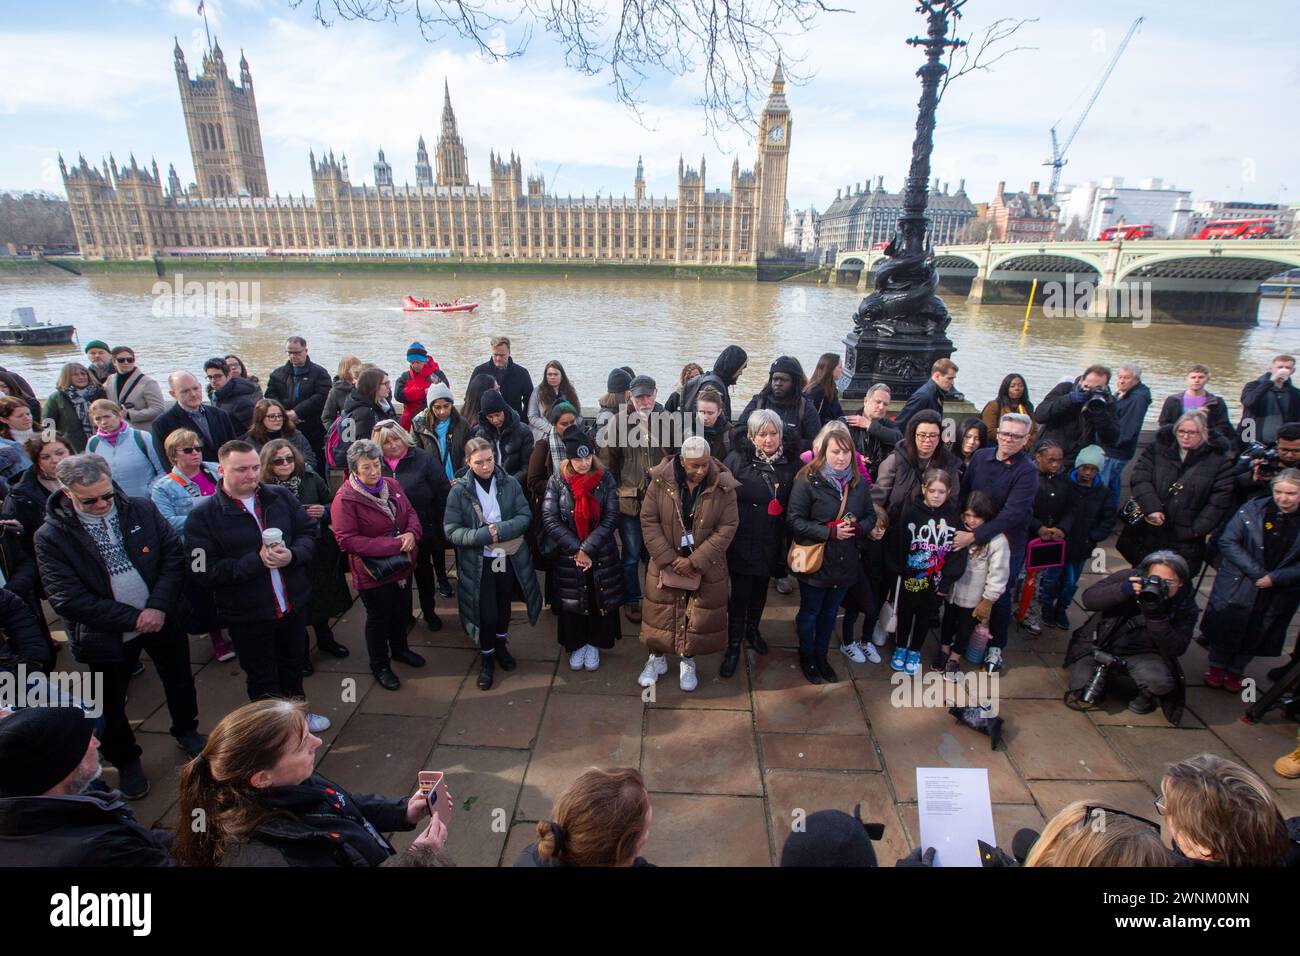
[[586, 509]]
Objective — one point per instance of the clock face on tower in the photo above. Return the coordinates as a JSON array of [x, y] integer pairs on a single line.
[[776, 134]]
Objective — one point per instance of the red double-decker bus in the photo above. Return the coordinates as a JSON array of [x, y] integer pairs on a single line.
[[1240, 229], [1143, 231]]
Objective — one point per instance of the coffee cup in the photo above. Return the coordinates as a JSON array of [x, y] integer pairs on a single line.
[[272, 537]]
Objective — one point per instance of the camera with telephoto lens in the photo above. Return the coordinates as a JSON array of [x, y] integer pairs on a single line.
[[1261, 456], [1154, 593], [1095, 689], [1097, 398]]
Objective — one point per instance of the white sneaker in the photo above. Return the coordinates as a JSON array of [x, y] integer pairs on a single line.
[[591, 660], [654, 668], [577, 657], [317, 723], [854, 652], [873, 655], [686, 678]]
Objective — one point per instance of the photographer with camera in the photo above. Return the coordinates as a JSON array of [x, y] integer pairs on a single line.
[[1081, 413], [1259, 463], [1141, 623], [1257, 589]]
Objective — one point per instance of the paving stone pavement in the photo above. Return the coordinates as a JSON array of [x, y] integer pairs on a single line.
[[731, 766]]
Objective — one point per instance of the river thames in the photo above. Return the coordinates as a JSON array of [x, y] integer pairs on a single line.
[[593, 324]]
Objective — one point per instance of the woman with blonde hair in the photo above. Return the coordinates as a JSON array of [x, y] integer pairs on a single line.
[[602, 819], [344, 380], [1085, 834], [256, 789], [129, 452], [69, 404]]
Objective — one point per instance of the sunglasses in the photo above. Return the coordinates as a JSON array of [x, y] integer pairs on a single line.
[[1088, 811], [283, 461], [124, 360], [189, 449], [87, 502]]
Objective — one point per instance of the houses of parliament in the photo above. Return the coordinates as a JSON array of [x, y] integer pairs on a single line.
[[128, 212]]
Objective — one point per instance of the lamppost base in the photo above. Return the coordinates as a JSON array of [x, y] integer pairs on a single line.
[[900, 361]]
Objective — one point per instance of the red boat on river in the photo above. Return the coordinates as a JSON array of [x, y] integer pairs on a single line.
[[412, 304]]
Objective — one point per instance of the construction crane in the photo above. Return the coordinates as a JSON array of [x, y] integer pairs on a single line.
[[1059, 150]]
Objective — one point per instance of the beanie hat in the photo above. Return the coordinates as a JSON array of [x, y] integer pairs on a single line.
[[417, 352], [788, 365], [39, 747], [561, 408], [491, 403], [832, 838], [96, 344], [619, 382], [436, 391], [1092, 455], [578, 444]]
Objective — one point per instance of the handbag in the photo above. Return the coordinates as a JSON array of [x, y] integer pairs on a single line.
[[669, 578], [887, 620], [505, 547], [807, 558], [388, 566]]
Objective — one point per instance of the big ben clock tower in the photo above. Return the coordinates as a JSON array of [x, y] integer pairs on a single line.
[[773, 162]]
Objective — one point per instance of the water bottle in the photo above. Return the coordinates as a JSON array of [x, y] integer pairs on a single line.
[[978, 644]]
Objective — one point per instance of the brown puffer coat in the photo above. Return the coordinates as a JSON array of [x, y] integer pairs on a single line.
[[688, 622]]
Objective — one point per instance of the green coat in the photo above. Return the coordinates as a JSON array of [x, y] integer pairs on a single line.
[[60, 410], [470, 536]]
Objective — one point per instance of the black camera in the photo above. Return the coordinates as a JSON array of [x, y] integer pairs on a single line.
[[1095, 689], [1097, 399], [1154, 593], [1265, 457]]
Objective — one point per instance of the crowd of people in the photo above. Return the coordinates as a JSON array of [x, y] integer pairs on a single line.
[[252, 515]]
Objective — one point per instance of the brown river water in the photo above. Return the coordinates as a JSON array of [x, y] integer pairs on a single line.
[[594, 324]]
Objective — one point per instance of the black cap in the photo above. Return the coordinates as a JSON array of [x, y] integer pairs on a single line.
[[578, 444], [39, 747], [832, 838], [643, 385], [619, 382]]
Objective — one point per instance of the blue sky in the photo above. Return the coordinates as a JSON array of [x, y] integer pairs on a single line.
[[1204, 98]]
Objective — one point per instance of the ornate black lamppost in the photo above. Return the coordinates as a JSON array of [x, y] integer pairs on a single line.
[[899, 330]]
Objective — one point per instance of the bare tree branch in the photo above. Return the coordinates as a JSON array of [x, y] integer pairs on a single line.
[[981, 54], [731, 45]]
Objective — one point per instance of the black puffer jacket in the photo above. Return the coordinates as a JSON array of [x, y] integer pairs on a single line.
[[26, 502], [1054, 503], [1072, 426], [226, 534], [514, 439], [423, 431], [571, 584], [814, 503], [78, 583], [319, 824], [1195, 495], [334, 402], [21, 638], [363, 414], [236, 398], [762, 539], [426, 487], [95, 828]]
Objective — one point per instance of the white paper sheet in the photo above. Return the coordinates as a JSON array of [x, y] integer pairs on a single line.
[[955, 811]]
